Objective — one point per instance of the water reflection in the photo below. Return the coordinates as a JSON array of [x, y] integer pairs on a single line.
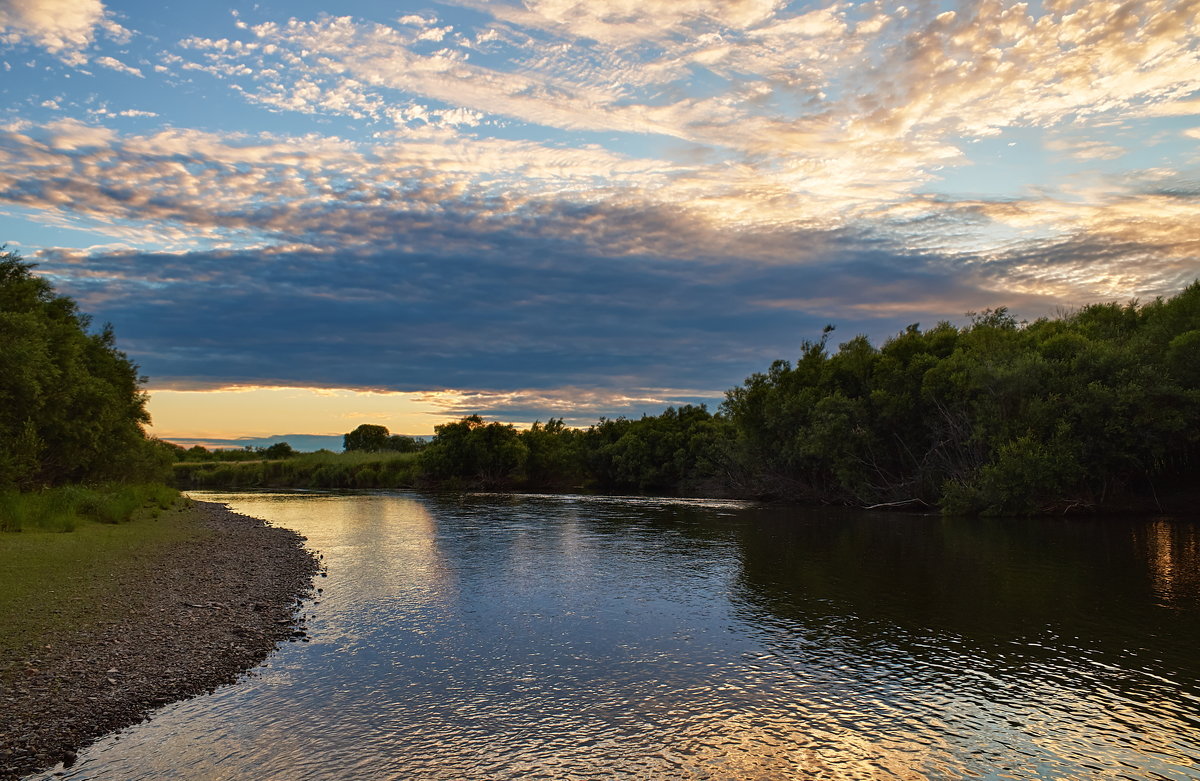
[[1038, 640], [586, 637], [1173, 551]]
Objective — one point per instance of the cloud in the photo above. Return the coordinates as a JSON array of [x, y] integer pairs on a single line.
[[819, 116], [522, 325], [649, 199], [440, 192], [437, 193], [1088, 149], [304, 443], [621, 22], [62, 27], [56, 25], [114, 64]]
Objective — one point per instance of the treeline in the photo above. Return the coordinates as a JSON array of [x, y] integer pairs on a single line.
[[681, 451], [322, 469], [670, 453], [71, 405], [248, 453], [1098, 409], [367, 438]]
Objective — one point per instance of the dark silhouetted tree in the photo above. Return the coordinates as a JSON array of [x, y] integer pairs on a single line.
[[278, 450], [367, 437]]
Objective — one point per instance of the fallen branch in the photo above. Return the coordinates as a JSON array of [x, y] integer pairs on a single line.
[[900, 503]]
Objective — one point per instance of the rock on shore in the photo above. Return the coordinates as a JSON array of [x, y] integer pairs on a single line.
[[190, 618]]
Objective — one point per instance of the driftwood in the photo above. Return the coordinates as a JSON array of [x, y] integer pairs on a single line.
[[901, 503]]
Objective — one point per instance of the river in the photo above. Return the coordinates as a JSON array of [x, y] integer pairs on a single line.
[[559, 637]]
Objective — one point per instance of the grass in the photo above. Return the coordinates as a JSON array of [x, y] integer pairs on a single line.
[[322, 469], [353, 457], [52, 583], [63, 509]]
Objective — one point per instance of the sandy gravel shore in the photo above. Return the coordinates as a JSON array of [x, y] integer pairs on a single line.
[[190, 618]]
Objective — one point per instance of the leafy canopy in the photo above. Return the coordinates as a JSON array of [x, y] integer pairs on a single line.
[[72, 408]]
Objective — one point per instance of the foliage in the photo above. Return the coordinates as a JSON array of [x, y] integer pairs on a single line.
[[680, 451], [368, 437], [373, 439], [278, 450], [322, 469], [1092, 409], [488, 455], [71, 404], [247, 453]]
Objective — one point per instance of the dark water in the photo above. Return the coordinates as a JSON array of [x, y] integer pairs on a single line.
[[577, 637]]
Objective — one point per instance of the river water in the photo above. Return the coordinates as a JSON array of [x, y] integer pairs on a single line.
[[558, 637]]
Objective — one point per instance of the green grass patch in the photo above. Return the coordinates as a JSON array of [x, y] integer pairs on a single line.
[[53, 583], [64, 508]]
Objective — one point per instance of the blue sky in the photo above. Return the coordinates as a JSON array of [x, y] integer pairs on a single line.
[[408, 212]]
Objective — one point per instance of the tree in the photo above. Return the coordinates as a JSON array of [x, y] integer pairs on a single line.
[[1099, 407], [402, 444], [278, 450], [367, 437], [72, 408], [490, 455]]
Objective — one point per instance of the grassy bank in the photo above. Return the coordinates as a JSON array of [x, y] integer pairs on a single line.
[[51, 582], [65, 508], [309, 470]]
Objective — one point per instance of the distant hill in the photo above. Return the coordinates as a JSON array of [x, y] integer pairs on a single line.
[[305, 443]]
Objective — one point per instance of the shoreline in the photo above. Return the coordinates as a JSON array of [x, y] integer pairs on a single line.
[[188, 618]]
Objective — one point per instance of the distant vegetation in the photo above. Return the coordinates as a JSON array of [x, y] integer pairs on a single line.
[[72, 444], [369, 438], [249, 453], [1098, 409], [322, 469]]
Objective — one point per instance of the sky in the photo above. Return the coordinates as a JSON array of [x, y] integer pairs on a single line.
[[304, 216]]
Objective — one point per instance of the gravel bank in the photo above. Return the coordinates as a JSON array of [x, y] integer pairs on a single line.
[[188, 619]]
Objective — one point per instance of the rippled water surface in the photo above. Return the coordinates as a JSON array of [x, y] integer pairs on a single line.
[[582, 637]]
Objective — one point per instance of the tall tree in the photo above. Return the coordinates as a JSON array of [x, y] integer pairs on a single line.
[[72, 408]]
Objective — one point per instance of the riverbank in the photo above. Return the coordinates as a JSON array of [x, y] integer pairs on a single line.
[[206, 601]]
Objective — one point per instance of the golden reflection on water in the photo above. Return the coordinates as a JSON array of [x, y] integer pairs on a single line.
[[747, 746], [1173, 553]]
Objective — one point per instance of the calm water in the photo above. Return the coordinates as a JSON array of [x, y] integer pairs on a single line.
[[580, 637]]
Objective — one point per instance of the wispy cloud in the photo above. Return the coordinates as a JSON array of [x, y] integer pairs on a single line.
[[803, 100], [112, 63]]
